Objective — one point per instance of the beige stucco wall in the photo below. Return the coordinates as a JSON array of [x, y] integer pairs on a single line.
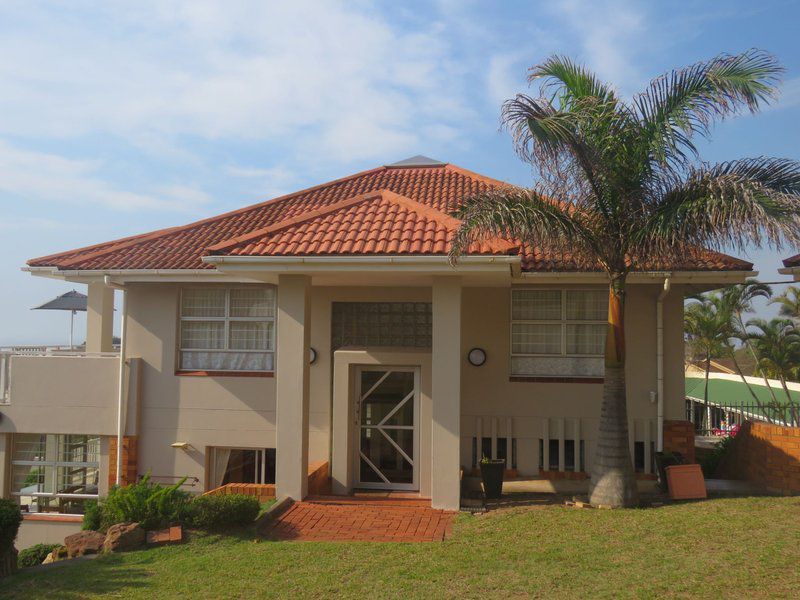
[[240, 411], [203, 411], [487, 391], [44, 532], [62, 394]]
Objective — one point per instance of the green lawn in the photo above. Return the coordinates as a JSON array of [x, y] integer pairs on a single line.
[[747, 547]]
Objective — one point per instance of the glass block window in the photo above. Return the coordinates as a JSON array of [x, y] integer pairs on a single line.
[[227, 329], [382, 324], [54, 473], [558, 332]]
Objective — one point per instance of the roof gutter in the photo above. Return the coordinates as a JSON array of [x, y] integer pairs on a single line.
[[686, 277], [363, 263]]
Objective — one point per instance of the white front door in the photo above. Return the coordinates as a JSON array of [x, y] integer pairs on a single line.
[[387, 414]]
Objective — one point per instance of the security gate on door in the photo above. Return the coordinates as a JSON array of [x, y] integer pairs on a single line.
[[387, 413]]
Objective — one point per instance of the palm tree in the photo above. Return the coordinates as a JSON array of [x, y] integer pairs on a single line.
[[621, 189], [708, 331], [790, 302], [777, 344], [737, 300]]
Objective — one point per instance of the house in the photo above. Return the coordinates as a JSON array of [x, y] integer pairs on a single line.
[[328, 327], [791, 266]]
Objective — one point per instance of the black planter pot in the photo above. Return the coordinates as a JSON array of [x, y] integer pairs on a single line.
[[664, 460], [492, 476]]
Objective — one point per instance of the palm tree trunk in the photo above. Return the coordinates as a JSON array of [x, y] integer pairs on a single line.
[[705, 392], [613, 481], [792, 410], [755, 358], [761, 407]]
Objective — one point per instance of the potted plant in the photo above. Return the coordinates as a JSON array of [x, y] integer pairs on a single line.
[[492, 475]]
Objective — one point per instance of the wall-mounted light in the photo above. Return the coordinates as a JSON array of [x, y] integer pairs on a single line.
[[186, 446], [312, 356], [476, 357]]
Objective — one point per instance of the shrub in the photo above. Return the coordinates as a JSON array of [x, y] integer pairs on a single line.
[[30, 557], [92, 516], [710, 462], [10, 519], [217, 512], [151, 505]]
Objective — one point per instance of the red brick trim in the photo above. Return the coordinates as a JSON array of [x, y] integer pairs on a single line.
[[518, 379], [679, 437], [130, 453], [58, 518], [224, 373]]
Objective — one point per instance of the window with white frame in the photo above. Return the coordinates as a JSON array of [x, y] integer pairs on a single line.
[[558, 332], [227, 329], [54, 473]]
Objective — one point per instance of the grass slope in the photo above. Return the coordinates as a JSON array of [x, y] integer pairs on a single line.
[[746, 547]]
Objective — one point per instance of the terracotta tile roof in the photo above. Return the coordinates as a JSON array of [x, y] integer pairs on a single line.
[[388, 210], [379, 222], [792, 261]]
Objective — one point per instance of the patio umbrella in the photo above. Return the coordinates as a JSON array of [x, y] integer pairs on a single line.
[[72, 301]]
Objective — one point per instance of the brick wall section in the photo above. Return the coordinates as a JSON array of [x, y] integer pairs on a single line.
[[319, 481], [679, 437], [768, 455], [130, 445], [263, 492]]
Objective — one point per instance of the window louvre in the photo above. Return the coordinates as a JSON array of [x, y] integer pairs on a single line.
[[227, 329], [558, 332]]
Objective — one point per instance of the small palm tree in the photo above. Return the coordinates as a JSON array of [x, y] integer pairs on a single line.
[[777, 345], [790, 303], [708, 332], [738, 300], [621, 189]]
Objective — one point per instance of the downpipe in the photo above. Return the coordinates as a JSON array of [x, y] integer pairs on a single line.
[[121, 383], [660, 362]]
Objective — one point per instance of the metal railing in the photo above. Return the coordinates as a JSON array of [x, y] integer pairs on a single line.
[[721, 418]]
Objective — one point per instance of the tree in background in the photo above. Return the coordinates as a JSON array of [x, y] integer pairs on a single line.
[[777, 345], [622, 189], [738, 300], [708, 332], [789, 302]]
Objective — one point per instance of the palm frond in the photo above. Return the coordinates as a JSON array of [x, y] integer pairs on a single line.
[[733, 204], [568, 81], [525, 215], [685, 102]]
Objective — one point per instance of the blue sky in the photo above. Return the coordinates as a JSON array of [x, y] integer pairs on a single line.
[[117, 118]]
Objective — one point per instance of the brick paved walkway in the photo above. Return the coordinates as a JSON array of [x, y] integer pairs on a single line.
[[359, 519]]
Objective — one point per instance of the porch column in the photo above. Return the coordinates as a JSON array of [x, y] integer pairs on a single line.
[[100, 318], [446, 392], [291, 371]]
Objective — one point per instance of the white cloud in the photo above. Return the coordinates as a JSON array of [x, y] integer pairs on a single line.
[[789, 95], [47, 177], [340, 79], [506, 76], [611, 33]]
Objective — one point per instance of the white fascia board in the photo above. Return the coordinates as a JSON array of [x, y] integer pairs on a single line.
[[676, 277], [793, 271], [330, 264], [136, 275]]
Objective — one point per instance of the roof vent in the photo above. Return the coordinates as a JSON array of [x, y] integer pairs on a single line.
[[418, 161]]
